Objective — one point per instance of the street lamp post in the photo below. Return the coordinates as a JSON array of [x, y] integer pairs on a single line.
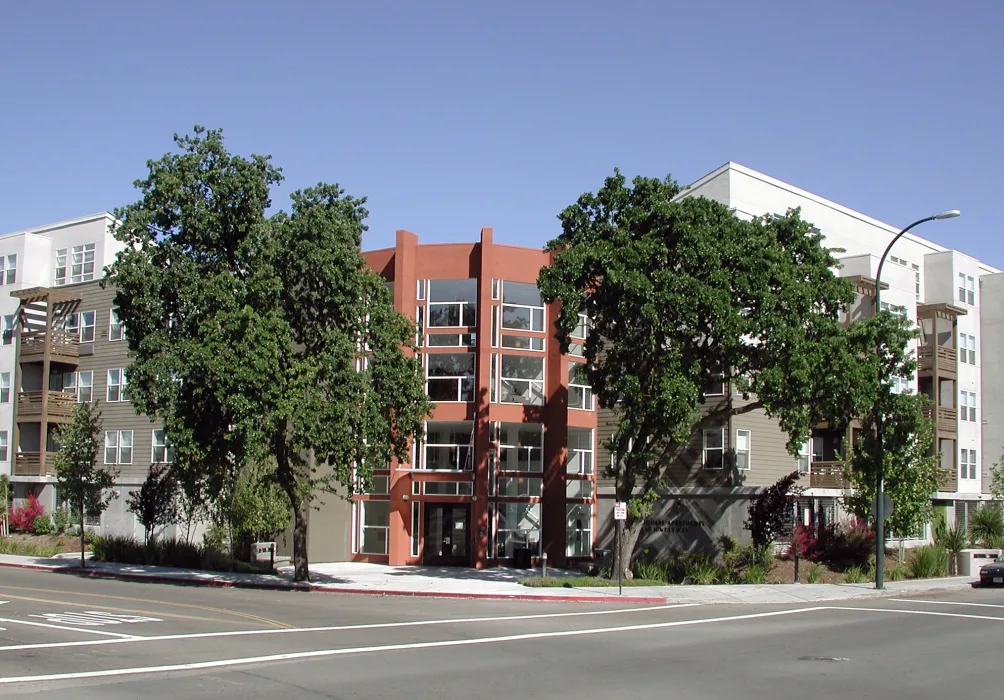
[[880, 456]]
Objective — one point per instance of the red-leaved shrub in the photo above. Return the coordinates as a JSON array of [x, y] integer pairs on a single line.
[[839, 546], [22, 518]]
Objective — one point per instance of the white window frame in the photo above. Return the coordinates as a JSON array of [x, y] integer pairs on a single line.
[[457, 379], [804, 457], [9, 328], [527, 342], [579, 333], [715, 380], [451, 340], [59, 269], [116, 329], [720, 450], [534, 317], [742, 433], [520, 487], [8, 269], [120, 385], [416, 527], [82, 263], [363, 527], [463, 451], [585, 391], [967, 289], [160, 451], [463, 312], [578, 541], [967, 464], [531, 454], [4, 446], [449, 488], [116, 443], [583, 456], [967, 400], [77, 322], [4, 387], [520, 536], [73, 381], [535, 387], [573, 488], [967, 344]]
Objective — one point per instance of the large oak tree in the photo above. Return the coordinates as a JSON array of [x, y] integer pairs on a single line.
[[257, 336], [679, 290]]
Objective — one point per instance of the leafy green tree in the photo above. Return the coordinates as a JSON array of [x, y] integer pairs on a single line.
[[154, 504], [256, 336], [678, 290], [769, 514], [255, 506], [997, 481], [86, 485]]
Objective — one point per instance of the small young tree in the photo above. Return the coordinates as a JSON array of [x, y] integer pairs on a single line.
[[997, 481], [86, 484], [770, 512], [254, 506], [154, 502]]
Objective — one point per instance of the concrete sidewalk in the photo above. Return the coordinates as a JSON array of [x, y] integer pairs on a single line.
[[494, 584]]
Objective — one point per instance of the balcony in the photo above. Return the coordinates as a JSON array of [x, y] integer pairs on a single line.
[[946, 420], [60, 405], [947, 359], [64, 347], [949, 481], [30, 464], [828, 475]]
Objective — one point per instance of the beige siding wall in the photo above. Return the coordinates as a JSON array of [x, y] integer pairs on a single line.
[[769, 456]]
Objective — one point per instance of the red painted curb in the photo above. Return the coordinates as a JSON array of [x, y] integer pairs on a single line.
[[313, 588]]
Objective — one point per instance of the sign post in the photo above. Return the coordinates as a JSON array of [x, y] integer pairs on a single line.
[[620, 515]]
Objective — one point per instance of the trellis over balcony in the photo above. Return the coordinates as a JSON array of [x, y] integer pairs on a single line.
[[937, 355], [41, 318], [58, 406]]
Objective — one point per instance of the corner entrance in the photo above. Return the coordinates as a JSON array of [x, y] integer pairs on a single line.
[[447, 533]]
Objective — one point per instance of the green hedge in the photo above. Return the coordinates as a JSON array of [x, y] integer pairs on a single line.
[[169, 552]]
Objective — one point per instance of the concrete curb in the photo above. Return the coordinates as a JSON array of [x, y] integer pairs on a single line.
[[313, 588]]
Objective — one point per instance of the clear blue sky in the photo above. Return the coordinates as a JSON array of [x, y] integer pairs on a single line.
[[452, 116]]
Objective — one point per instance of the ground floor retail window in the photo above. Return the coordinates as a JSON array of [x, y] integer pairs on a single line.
[[517, 526], [578, 529], [374, 521]]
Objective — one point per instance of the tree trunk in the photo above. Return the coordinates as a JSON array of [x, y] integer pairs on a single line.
[[83, 548], [284, 473], [629, 538]]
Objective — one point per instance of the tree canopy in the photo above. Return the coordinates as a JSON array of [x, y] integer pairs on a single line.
[[678, 290], [256, 336]]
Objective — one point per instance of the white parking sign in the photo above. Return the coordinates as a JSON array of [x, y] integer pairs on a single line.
[[620, 510]]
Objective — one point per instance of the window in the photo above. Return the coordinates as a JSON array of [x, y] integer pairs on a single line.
[[375, 519], [714, 448], [894, 309], [81, 383], [4, 447], [579, 488], [967, 289], [580, 451], [90, 519], [60, 274], [495, 290], [453, 303], [81, 259], [118, 447], [379, 486], [452, 340], [900, 385], [520, 486], [116, 386], [161, 452], [580, 393], [804, 460], [8, 329], [450, 376], [522, 308], [8, 269], [448, 445], [449, 488], [4, 387], [578, 529], [83, 323], [715, 386], [116, 331], [743, 449], [579, 333], [517, 525], [521, 447], [967, 348], [967, 464], [495, 326], [416, 532], [522, 342], [420, 290], [522, 380], [419, 325], [967, 406]]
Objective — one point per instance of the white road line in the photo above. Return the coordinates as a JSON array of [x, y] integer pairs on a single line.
[[921, 612], [945, 602], [124, 637], [320, 653], [341, 628]]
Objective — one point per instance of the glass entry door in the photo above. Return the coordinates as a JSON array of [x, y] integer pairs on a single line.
[[447, 530]]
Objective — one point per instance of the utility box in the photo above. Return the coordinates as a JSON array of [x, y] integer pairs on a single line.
[[971, 560]]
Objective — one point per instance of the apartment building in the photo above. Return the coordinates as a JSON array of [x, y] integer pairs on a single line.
[[955, 300], [505, 471], [63, 344]]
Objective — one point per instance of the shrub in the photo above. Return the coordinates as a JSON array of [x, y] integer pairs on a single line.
[[168, 552], [814, 573], [61, 520], [986, 527], [928, 561], [9, 545], [43, 525], [844, 546], [755, 574], [954, 540], [655, 570], [854, 575], [897, 573], [702, 571], [23, 517], [215, 537], [802, 543]]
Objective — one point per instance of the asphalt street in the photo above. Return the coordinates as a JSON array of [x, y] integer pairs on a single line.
[[111, 639]]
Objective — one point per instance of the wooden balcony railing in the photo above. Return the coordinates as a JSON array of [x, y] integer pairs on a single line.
[[946, 419], [60, 405], [64, 346], [949, 481], [827, 475], [947, 358], [31, 464]]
